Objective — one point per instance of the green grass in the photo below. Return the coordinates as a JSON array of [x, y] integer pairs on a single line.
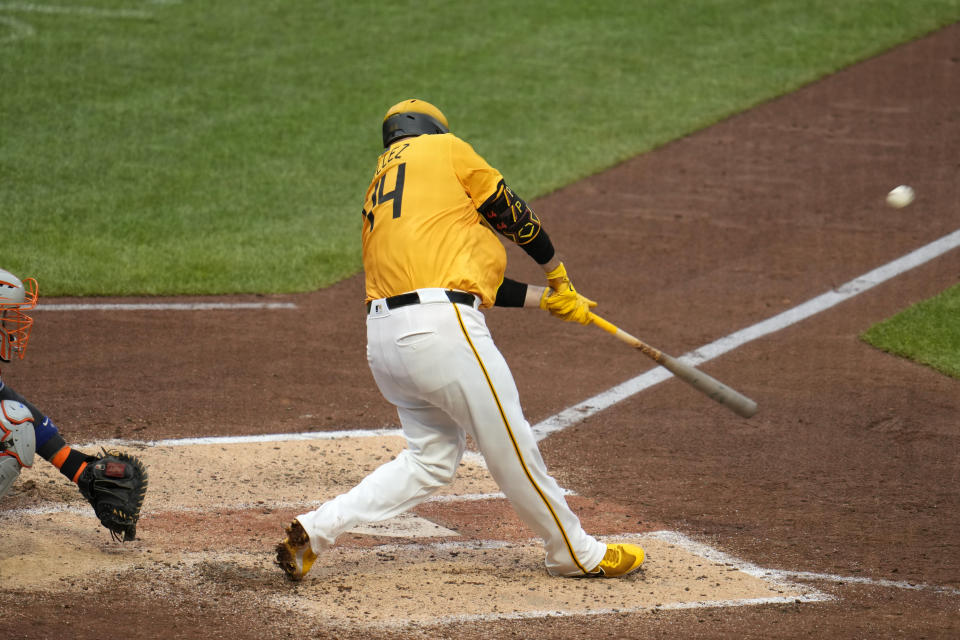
[[928, 333], [221, 146]]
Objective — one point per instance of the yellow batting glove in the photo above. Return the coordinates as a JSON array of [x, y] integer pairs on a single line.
[[563, 301], [558, 280]]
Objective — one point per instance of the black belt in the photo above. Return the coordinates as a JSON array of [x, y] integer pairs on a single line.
[[406, 299]]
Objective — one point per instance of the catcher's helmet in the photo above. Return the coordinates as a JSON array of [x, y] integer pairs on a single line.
[[15, 298], [412, 118]]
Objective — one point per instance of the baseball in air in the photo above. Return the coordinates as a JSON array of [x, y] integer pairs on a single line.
[[900, 197]]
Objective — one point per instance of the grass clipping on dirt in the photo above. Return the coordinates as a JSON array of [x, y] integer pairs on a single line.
[[928, 333]]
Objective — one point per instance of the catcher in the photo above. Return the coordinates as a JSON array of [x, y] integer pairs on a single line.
[[113, 482]]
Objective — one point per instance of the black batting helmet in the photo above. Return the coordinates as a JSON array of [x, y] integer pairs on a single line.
[[412, 118]]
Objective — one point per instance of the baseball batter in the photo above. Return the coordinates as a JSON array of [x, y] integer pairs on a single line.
[[113, 482], [432, 261]]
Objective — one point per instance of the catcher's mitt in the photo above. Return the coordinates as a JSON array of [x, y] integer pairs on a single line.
[[115, 483]]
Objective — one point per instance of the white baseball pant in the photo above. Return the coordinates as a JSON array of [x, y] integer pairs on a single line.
[[437, 362]]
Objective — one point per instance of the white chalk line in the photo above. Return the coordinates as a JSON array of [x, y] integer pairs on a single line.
[[18, 30], [874, 582], [610, 397], [164, 306], [85, 511], [533, 615], [95, 12], [250, 439], [716, 555], [470, 456], [21, 30]]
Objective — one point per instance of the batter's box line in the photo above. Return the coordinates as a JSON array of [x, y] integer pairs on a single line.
[[82, 509], [874, 582], [166, 306], [529, 615], [707, 552], [264, 438], [777, 578], [785, 576]]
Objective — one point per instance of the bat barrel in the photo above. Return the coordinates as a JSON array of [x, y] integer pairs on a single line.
[[712, 388]]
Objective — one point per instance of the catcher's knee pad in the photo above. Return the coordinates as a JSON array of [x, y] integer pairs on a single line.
[[17, 442]]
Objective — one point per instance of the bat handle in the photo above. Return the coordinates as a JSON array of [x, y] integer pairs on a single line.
[[603, 324], [609, 327]]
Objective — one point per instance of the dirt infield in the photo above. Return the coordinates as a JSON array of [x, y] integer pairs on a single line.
[[834, 512]]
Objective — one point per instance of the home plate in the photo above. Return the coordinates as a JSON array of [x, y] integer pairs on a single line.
[[406, 525]]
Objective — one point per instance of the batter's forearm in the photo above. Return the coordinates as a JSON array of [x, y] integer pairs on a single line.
[[551, 264], [534, 295], [518, 294]]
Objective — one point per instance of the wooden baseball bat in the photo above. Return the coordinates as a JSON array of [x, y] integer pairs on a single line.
[[733, 400]]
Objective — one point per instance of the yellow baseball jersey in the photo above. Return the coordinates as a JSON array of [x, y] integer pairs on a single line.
[[421, 227]]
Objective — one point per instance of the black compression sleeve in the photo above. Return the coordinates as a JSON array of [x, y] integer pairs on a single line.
[[540, 248], [51, 447], [511, 293], [510, 216]]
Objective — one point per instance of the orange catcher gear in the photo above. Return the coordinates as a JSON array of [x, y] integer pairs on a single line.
[[16, 297]]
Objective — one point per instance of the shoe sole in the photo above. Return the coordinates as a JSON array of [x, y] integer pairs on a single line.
[[285, 562], [287, 553]]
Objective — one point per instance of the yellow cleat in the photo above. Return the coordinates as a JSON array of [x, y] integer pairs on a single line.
[[294, 554], [619, 560]]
